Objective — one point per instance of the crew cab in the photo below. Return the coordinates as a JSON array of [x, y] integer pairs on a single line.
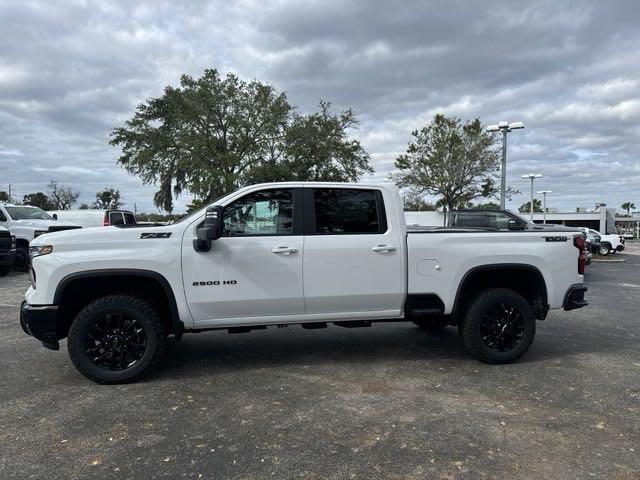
[[290, 253], [26, 223]]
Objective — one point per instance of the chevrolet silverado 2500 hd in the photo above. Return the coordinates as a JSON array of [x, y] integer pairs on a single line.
[[292, 253]]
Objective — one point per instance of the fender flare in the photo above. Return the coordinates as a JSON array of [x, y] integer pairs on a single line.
[[178, 325]]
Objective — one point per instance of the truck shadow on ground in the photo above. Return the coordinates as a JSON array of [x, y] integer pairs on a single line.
[[206, 354]]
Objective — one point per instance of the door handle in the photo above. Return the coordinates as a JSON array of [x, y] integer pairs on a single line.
[[284, 250], [383, 248]]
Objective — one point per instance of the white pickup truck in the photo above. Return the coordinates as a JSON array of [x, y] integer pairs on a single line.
[[292, 253], [26, 223]]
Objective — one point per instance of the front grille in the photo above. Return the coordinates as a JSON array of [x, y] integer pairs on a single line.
[[5, 244], [61, 228]]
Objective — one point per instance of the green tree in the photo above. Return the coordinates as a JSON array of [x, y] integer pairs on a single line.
[[38, 199], [526, 207], [108, 199], [61, 196], [448, 158], [628, 206], [211, 135], [487, 206], [4, 196], [414, 203], [84, 206]]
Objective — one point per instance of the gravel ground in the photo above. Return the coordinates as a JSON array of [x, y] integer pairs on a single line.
[[386, 402]]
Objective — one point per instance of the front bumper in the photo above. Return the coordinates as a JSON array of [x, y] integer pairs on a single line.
[[574, 298], [41, 321], [7, 259]]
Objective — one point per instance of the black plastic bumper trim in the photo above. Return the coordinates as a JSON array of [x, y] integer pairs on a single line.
[[40, 322], [574, 298]]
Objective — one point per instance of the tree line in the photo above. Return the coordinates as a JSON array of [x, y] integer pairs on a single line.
[[62, 197], [211, 135]]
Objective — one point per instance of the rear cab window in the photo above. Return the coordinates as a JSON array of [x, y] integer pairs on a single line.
[[116, 218]]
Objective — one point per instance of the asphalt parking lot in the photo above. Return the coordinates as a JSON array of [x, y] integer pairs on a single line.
[[387, 402]]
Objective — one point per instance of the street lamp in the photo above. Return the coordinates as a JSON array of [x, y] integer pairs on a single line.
[[544, 205], [504, 127], [532, 177]]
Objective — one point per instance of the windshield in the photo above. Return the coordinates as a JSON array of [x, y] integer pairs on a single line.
[[27, 213]]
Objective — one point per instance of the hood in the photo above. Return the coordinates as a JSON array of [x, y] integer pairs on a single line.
[[97, 237]]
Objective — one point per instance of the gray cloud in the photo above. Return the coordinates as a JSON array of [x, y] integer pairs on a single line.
[[70, 72]]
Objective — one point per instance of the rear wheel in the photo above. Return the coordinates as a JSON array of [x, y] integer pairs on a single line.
[[499, 326], [4, 271], [431, 324], [117, 339]]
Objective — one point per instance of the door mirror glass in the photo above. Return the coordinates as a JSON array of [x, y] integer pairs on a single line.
[[211, 229], [55, 216]]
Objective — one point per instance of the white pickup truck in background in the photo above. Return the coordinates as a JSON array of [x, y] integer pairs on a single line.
[[26, 223], [292, 253]]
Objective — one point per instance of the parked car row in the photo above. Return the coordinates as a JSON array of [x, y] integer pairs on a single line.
[[21, 224], [604, 244]]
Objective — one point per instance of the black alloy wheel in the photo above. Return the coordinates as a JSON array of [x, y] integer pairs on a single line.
[[502, 327], [115, 342]]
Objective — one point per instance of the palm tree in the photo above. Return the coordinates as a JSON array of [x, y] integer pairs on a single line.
[[628, 206]]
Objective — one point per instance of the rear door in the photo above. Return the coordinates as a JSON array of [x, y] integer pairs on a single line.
[[352, 257]]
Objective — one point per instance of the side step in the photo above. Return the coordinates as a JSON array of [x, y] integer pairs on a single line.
[[353, 323], [245, 329]]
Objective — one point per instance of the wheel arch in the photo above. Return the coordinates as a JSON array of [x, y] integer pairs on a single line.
[[529, 283], [94, 283]]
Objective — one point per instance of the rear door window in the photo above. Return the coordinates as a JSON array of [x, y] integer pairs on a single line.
[[129, 218], [340, 211]]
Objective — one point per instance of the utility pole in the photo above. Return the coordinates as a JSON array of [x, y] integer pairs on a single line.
[[544, 205], [532, 177], [10, 193], [504, 127]]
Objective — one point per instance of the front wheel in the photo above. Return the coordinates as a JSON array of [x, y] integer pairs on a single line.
[[604, 249], [117, 339], [499, 326], [22, 260]]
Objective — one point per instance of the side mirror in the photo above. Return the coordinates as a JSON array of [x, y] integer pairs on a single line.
[[211, 229], [515, 225], [55, 216]]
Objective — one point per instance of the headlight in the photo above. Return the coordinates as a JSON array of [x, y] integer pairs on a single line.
[[39, 250], [37, 233]]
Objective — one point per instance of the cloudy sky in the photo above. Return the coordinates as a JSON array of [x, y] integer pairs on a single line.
[[70, 71]]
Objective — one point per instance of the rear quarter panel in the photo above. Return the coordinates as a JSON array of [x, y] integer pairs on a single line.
[[438, 262]]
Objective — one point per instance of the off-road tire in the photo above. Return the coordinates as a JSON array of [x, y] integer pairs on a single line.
[[4, 271], [432, 325], [151, 322], [604, 249], [470, 327]]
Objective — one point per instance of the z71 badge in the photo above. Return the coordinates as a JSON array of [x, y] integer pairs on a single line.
[[155, 235]]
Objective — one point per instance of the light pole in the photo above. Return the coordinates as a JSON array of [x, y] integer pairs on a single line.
[[544, 205], [532, 177], [504, 127]]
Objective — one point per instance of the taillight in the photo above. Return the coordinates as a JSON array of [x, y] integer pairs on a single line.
[[106, 220], [579, 243]]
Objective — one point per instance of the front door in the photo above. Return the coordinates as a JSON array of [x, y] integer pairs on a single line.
[[255, 268]]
